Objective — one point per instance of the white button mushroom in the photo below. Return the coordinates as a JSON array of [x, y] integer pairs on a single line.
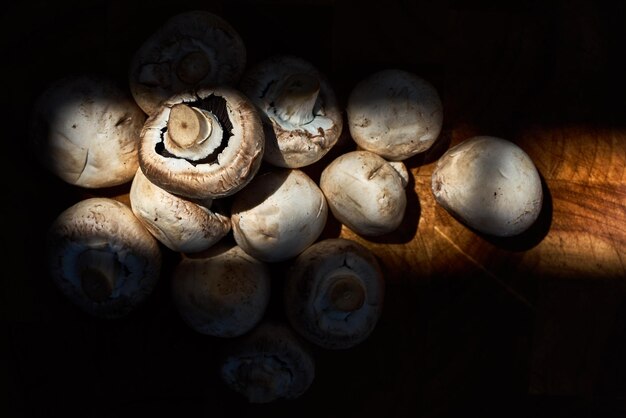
[[223, 292], [302, 117], [490, 184], [102, 258], [191, 50], [395, 114], [269, 363], [203, 145], [334, 293], [180, 224], [278, 215], [85, 129], [364, 192]]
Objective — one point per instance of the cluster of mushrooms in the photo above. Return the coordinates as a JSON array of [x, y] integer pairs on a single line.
[[193, 133]]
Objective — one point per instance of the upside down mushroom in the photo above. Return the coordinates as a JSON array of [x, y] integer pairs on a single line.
[[102, 258], [334, 293], [223, 292], [85, 130], [191, 50], [207, 144], [269, 363], [302, 118]]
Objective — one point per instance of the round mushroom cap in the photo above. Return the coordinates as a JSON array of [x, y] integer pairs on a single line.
[[102, 258], [334, 293], [490, 184], [302, 118], [269, 363], [223, 292], [178, 223], [278, 215], [223, 164], [85, 130], [364, 192], [395, 114], [191, 50]]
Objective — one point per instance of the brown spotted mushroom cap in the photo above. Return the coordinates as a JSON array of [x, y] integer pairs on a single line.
[[85, 130], [302, 118], [334, 293], [201, 145], [223, 292], [191, 50], [102, 258], [180, 224], [271, 362]]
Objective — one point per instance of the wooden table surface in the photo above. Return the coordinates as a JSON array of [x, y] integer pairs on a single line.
[[534, 324]]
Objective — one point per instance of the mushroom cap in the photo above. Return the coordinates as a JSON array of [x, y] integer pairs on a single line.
[[395, 114], [102, 234], [309, 284], [223, 292], [490, 184], [364, 192], [292, 145], [278, 215], [180, 224], [269, 363], [228, 169], [157, 66], [85, 129]]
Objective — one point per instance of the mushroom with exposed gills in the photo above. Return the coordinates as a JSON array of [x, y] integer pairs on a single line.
[[270, 363], [207, 144], [334, 292], [85, 130], [191, 50], [302, 118], [395, 114], [221, 292], [182, 225], [102, 258]]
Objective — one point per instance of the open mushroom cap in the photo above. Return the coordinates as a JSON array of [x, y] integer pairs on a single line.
[[102, 258], [364, 192], [207, 144], [85, 130], [180, 224], [490, 184], [269, 363], [191, 50], [278, 215], [302, 118], [334, 293], [395, 114], [222, 292]]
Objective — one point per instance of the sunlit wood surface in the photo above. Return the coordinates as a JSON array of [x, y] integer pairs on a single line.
[[472, 325]]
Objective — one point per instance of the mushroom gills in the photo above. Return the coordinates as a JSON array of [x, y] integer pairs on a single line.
[[98, 271]]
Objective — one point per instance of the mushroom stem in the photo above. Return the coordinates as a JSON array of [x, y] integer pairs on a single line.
[[98, 271], [346, 293], [297, 97], [193, 67], [192, 133]]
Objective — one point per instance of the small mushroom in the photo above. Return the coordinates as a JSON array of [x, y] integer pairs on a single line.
[[269, 363], [180, 224], [490, 184], [207, 144], [364, 192], [191, 50], [223, 292], [334, 293], [102, 258], [85, 130], [278, 215], [395, 114], [302, 119]]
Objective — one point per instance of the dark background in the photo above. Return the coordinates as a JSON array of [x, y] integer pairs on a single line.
[[445, 346]]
